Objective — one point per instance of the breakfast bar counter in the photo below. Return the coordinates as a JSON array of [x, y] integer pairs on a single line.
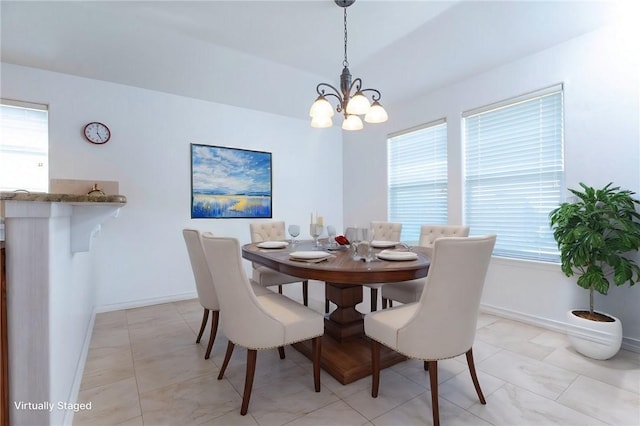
[[63, 198], [49, 293]]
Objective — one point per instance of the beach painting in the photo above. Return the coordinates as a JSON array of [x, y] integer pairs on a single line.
[[230, 183]]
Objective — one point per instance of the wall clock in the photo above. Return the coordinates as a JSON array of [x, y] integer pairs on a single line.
[[97, 133]]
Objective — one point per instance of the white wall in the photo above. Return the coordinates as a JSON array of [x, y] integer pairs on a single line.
[[602, 144], [141, 254]]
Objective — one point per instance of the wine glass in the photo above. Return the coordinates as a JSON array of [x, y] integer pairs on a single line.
[[294, 231], [331, 232], [355, 237], [369, 237], [349, 234], [315, 230]]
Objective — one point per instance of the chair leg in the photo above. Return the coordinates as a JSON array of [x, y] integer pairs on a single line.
[[227, 357], [305, 293], [281, 351], [205, 318], [316, 346], [374, 299], [214, 330], [433, 381], [390, 303], [248, 380], [280, 289], [375, 368], [384, 303], [326, 300], [474, 376]]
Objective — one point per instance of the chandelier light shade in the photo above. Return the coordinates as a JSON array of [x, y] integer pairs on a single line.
[[321, 122], [358, 104], [321, 108], [352, 122], [351, 106], [376, 114]]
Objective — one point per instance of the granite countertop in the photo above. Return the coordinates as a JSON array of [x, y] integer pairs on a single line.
[[62, 198]]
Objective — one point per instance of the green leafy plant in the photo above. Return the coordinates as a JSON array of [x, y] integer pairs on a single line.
[[594, 234]]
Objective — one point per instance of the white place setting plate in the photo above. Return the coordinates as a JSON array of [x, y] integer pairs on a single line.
[[383, 244], [272, 244], [397, 255], [309, 255]]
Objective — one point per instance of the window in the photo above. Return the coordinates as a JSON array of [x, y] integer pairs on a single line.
[[514, 173], [24, 146], [417, 178]]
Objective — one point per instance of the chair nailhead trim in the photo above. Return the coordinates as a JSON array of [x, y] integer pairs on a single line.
[[277, 346], [421, 359]]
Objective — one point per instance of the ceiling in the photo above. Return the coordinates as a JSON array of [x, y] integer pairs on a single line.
[[269, 55]]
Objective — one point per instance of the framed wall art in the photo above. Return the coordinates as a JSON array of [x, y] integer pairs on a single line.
[[230, 183]]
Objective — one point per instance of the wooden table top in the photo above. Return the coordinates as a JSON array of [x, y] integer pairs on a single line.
[[340, 268]]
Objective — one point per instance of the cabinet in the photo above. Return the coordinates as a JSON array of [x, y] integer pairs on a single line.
[[4, 352]]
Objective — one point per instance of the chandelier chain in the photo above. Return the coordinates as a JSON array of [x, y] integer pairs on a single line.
[[345, 62]]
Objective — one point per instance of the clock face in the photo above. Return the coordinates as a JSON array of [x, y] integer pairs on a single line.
[[97, 133]]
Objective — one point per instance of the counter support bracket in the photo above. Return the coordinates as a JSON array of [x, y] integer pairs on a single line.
[[86, 221]]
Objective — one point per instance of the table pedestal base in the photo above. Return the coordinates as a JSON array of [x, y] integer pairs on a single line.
[[349, 360], [346, 351]]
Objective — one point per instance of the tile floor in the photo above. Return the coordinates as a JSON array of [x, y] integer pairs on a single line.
[[144, 367]]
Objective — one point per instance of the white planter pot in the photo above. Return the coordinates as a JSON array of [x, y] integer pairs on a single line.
[[595, 339]]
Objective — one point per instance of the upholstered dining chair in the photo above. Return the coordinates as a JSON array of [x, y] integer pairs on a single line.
[[442, 324], [382, 231], [256, 322], [410, 291], [266, 277], [204, 285]]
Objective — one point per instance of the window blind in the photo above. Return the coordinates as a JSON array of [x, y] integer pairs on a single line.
[[514, 173], [24, 146], [417, 178]]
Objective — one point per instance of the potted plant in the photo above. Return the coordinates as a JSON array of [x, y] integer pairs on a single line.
[[595, 234]]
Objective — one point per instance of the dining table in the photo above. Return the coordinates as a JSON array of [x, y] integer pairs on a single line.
[[346, 351]]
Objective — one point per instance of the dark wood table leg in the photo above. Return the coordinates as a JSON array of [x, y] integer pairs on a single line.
[[346, 351]]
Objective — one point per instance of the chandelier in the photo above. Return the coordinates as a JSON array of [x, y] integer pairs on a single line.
[[352, 107]]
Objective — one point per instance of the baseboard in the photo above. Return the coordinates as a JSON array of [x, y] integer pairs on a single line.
[[542, 322], [146, 302], [628, 343], [77, 380]]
